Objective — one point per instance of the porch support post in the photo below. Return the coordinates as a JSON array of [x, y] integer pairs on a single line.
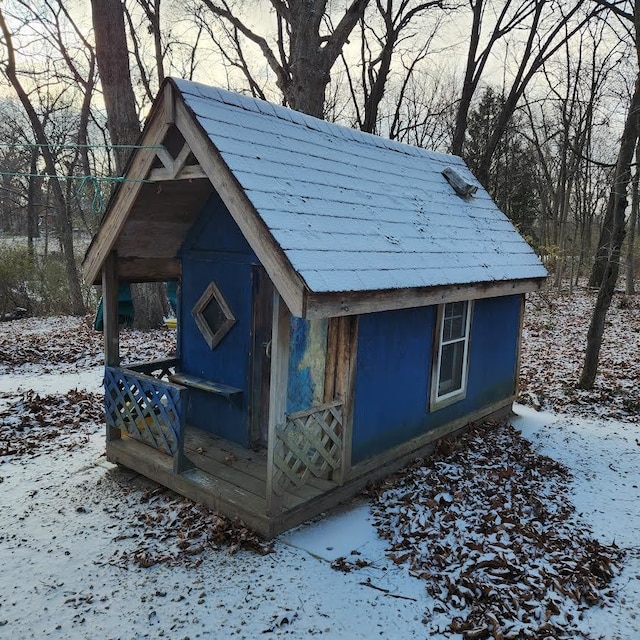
[[277, 394], [111, 330], [339, 381]]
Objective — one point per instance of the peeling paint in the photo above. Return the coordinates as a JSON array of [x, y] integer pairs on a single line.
[[307, 360]]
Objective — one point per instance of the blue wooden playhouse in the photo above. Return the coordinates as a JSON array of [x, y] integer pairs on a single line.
[[344, 301]]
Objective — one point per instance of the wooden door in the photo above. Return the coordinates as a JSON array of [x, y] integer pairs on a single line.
[[225, 340], [261, 356]]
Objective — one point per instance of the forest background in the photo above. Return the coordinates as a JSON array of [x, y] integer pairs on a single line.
[[540, 97]]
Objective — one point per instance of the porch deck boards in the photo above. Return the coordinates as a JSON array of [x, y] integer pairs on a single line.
[[246, 468], [226, 477]]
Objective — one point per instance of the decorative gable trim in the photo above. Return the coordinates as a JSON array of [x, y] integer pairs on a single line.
[[124, 198], [285, 278]]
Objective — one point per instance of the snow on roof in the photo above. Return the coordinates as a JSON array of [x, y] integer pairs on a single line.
[[356, 212]]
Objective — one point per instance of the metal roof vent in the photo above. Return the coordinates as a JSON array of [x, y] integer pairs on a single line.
[[460, 185]]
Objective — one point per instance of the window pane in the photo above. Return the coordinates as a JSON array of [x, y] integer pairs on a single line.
[[214, 315], [451, 365], [454, 324]]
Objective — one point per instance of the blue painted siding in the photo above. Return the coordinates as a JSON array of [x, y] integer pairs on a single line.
[[393, 378], [216, 231], [215, 249]]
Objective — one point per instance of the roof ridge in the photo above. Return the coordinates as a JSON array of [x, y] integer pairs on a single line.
[[256, 105]]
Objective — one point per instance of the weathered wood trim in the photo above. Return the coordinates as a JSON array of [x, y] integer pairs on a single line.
[[348, 393], [111, 328], [331, 359], [174, 168], [262, 333], [327, 305], [190, 172], [516, 385], [287, 281], [149, 269], [166, 158], [181, 159], [339, 379], [124, 198], [111, 332], [168, 100], [181, 462], [277, 395]]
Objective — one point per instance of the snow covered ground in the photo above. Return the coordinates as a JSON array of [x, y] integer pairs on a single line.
[[71, 525]]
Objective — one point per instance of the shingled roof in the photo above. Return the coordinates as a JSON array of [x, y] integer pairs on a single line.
[[349, 212]]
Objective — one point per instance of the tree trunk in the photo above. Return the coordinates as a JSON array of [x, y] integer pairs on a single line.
[[602, 252], [302, 73], [112, 55], [469, 84], [150, 302], [617, 205], [32, 195], [633, 221]]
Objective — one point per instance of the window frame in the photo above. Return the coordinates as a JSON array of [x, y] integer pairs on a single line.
[[213, 338], [438, 401]]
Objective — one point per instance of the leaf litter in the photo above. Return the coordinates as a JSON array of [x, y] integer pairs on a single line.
[[33, 425], [488, 524], [553, 347]]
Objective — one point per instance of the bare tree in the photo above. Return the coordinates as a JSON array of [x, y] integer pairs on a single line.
[[305, 52], [546, 26], [633, 222], [382, 36], [124, 126], [616, 207], [63, 221], [563, 125], [511, 15], [115, 77]]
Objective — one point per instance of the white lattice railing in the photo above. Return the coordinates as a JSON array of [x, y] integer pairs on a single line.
[[309, 444]]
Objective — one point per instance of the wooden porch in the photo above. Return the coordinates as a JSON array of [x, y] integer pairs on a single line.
[[225, 477], [269, 489]]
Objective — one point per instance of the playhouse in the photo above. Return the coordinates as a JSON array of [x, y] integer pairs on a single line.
[[343, 301]]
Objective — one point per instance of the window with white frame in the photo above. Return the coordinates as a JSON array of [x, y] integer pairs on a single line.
[[449, 379]]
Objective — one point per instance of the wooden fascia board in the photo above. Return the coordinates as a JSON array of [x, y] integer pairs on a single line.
[[123, 199], [149, 269], [329, 305], [286, 280]]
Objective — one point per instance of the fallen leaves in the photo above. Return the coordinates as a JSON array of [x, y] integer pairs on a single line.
[[165, 528], [33, 424], [488, 524], [553, 346], [72, 341]]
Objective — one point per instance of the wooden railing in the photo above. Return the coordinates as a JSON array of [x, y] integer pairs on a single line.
[[309, 444], [147, 408]]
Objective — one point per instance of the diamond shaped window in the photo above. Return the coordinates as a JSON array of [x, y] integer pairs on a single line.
[[213, 315]]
